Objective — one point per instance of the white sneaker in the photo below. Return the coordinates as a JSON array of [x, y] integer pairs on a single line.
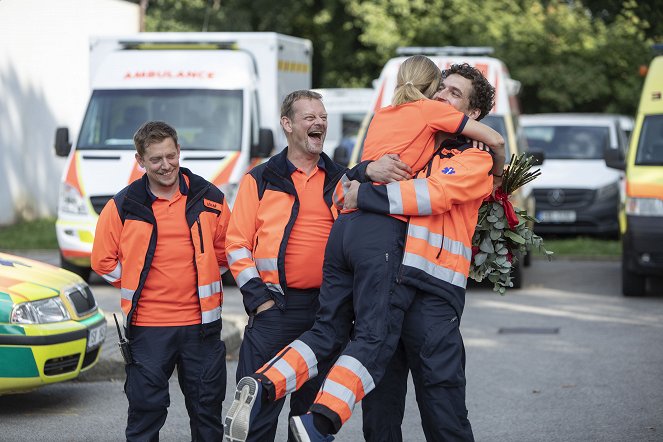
[[243, 410]]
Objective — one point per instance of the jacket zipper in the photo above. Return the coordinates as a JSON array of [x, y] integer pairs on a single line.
[[200, 234]]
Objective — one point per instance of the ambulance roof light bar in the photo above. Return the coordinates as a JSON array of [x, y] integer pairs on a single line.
[[445, 50], [164, 45]]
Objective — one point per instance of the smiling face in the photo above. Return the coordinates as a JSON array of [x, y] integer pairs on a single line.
[[161, 162], [456, 90], [307, 128]]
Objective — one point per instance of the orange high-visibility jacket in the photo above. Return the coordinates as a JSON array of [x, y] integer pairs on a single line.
[[125, 240], [443, 204], [264, 213]]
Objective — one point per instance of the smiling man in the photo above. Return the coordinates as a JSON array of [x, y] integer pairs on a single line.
[[161, 241], [281, 220]]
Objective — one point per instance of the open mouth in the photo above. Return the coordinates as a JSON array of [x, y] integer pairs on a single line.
[[316, 135]]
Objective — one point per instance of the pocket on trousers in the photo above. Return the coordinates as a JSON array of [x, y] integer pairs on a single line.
[[146, 387], [442, 356], [213, 374]]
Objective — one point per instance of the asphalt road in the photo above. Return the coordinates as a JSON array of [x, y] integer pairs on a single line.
[[567, 358]]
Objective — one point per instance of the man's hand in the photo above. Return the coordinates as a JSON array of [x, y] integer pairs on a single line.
[[264, 306], [387, 169], [351, 190]]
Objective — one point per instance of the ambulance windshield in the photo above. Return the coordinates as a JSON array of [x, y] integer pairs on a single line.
[[650, 147], [204, 119]]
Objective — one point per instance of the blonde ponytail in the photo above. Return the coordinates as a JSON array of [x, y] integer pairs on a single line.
[[418, 78]]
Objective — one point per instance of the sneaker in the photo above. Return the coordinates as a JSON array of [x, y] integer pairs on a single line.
[[243, 410], [304, 431]]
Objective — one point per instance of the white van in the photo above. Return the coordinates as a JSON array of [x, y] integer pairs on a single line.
[[221, 91], [576, 192]]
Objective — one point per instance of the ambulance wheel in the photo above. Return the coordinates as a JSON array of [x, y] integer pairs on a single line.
[[83, 272], [633, 284]]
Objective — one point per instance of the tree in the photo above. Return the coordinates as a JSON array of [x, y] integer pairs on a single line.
[[568, 57]]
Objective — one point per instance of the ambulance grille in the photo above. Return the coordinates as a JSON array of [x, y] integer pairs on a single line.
[[98, 202], [65, 364]]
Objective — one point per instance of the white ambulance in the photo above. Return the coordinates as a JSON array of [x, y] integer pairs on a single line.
[[503, 117], [221, 91]]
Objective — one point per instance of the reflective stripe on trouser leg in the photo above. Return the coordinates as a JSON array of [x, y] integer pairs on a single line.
[[291, 368], [347, 383]]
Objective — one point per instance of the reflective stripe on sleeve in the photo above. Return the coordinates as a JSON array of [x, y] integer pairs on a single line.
[[208, 290], [246, 275], [238, 254], [127, 294], [276, 287], [115, 275], [423, 197], [395, 197]]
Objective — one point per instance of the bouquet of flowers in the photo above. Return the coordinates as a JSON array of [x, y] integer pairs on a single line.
[[503, 230]]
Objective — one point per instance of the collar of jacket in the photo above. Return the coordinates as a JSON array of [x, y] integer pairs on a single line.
[[278, 173]]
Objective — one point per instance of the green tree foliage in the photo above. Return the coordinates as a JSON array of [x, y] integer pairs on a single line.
[[569, 57]]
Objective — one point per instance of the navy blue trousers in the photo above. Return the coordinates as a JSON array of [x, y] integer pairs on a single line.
[[268, 333], [201, 370], [432, 347], [362, 258]]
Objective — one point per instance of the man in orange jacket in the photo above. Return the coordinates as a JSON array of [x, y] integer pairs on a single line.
[[276, 239], [161, 240], [431, 344]]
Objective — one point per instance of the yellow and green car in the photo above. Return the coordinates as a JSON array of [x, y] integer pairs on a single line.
[[51, 328]]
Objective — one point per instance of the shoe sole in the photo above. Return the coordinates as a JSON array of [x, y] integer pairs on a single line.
[[298, 430], [236, 428]]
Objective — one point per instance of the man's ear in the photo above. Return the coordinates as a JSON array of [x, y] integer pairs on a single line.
[[286, 124], [139, 160], [474, 113]]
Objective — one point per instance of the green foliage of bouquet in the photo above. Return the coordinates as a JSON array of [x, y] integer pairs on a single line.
[[503, 230]]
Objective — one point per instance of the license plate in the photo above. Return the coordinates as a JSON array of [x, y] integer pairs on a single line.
[[96, 336], [557, 216]]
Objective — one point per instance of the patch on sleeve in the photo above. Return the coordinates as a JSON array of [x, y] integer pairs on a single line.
[[448, 170], [211, 204]]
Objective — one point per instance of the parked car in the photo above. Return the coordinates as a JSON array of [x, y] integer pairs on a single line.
[[51, 328], [576, 193]]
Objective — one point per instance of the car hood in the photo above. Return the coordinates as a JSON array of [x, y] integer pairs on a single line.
[[576, 174], [28, 280]]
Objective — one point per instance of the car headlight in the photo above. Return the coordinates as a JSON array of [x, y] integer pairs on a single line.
[[644, 206], [607, 192], [39, 312], [71, 201]]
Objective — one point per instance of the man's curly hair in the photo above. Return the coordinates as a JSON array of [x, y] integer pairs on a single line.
[[483, 93]]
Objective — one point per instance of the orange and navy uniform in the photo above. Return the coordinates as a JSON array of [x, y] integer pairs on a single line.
[[442, 203], [260, 243], [164, 289], [408, 130]]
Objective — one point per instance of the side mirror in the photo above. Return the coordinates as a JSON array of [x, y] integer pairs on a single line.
[[62, 143], [341, 156], [614, 158], [538, 156], [265, 144]]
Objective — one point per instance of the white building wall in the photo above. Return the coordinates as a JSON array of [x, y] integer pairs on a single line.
[[44, 84]]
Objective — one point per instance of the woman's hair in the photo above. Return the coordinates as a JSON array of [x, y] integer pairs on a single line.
[[418, 78]]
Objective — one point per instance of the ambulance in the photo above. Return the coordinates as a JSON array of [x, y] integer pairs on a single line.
[[221, 91], [641, 214], [503, 117]]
